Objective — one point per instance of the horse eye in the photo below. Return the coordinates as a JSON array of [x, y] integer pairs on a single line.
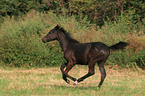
[[50, 33]]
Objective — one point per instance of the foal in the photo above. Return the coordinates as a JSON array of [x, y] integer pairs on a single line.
[[81, 53]]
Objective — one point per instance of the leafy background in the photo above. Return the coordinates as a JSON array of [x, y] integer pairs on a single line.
[[25, 22]]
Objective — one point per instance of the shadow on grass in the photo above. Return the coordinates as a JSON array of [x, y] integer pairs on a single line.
[[72, 87]]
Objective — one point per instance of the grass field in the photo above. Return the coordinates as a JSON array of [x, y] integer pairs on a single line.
[[48, 82]]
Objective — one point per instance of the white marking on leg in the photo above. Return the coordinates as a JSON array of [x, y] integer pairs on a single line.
[[76, 82]]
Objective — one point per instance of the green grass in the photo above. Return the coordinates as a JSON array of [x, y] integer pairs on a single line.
[[48, 81]]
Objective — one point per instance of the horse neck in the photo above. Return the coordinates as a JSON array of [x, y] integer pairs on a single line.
[[65, 40]]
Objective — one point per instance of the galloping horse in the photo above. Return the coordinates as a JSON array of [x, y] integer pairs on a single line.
[[81, 53]]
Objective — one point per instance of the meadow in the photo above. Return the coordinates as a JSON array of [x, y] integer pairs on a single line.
[[29, 67], [48, 82]]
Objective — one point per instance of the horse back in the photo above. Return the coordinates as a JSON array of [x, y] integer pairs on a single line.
[[80, 53]]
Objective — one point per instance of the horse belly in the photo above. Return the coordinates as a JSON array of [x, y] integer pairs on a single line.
[[81, 58]]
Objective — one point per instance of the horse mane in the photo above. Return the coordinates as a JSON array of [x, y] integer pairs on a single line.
[[66, 34]]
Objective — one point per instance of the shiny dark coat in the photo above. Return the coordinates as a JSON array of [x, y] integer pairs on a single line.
[[81, 53]]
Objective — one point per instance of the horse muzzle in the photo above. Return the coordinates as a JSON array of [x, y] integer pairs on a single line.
[[43, 40]]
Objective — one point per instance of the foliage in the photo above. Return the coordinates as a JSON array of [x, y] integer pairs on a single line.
[[21, 44], [124, 30], [21, 40], [107, 21], [14, 7], [96, 10]]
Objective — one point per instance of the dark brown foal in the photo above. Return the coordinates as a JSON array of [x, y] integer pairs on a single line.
[[81, 53]]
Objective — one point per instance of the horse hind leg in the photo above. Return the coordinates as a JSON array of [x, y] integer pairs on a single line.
[[102, 71], [91, 69], [90, 72]]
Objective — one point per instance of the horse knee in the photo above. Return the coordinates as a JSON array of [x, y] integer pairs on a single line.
[[65, 73], [62, 67]]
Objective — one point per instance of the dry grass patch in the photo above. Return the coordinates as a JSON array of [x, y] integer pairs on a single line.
[[48, 81]]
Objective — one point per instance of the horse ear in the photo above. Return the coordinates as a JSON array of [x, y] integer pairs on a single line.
[[57, 27]]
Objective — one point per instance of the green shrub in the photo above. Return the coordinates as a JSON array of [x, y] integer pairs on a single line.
[[124, 30], [127, 58], [21, 43]]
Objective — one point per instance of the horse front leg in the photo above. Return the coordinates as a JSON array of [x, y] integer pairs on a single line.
[[65, 73]]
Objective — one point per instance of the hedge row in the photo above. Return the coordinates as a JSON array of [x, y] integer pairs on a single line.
[[21, 45], [96, 10]]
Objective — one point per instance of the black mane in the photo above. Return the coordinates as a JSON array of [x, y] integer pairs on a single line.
[[66, 34]]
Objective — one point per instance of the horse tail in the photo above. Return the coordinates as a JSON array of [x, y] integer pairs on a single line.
[[120, 45]]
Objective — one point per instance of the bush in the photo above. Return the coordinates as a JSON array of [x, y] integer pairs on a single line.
[[21, 43], [96, 10], [21, 40], [127, 58], [124, 30]]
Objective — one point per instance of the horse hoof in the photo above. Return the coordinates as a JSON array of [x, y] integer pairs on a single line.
[[68, 81]]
